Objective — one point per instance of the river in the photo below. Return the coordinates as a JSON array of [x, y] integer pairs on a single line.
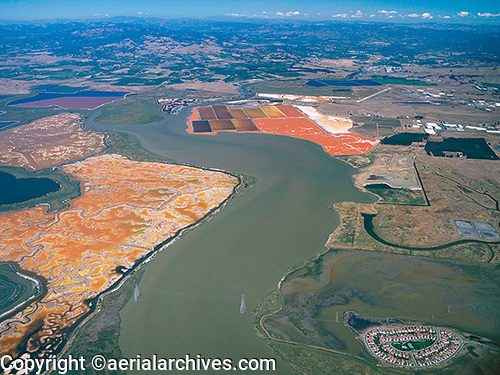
[[191, 292]]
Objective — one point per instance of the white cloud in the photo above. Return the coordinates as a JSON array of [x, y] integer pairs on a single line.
[[372, 15], [358, 14], [341, 15], [288, 14], [488, 15], [427, 16], [413, 15], [387, 12], [239, 15], [446, 16], [463, 14]]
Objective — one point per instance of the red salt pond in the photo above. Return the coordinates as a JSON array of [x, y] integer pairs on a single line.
[[363, 144], [193, 117], [290, 111], [330, 144], [288, 125]]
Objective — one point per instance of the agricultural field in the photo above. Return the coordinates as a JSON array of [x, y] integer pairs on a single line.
[[377, 127], [297, 87], [83, 212], [401, 81], [455, 189]]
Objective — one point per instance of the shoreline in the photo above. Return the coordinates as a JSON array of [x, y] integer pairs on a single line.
[[40, 288], [95, 303], [22, 105]]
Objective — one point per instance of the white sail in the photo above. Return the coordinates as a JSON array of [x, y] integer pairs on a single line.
[[243, 307], [137, 294]]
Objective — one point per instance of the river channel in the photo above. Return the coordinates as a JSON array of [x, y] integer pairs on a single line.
[[191, 292]]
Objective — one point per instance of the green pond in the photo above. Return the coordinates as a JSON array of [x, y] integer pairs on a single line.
[[16, 190], [191, 291], [16, 289]]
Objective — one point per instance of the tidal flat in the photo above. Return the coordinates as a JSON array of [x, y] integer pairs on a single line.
[[383, 287]]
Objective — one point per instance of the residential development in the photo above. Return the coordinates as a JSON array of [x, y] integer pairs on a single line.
[[413, 346]]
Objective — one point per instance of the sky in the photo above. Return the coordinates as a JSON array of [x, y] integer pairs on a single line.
[[480, 11]]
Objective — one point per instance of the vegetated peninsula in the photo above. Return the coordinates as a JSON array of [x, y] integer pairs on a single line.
[[126, 208]]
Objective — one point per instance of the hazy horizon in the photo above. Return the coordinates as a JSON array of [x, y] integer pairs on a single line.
[[483, 12]]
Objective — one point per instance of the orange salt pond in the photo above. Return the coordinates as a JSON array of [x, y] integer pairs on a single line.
[[125, 209]]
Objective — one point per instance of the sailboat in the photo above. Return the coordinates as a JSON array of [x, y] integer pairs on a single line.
[[137, 294], [243, 307]]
